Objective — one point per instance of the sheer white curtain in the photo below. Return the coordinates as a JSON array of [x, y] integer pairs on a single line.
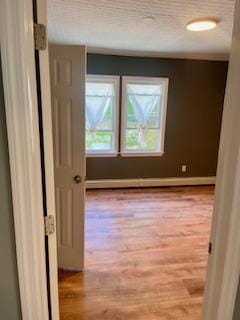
[[98, 98], [144, 99]]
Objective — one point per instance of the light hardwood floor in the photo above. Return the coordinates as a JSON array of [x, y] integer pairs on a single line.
[[146, 255]]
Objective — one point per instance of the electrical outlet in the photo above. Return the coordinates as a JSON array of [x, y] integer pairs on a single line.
[[184, 168]]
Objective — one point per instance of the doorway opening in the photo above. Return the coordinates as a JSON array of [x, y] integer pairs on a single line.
[[131, 252], [134, 252]]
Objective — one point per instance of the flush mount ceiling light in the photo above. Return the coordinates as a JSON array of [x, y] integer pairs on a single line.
[[202, 24]]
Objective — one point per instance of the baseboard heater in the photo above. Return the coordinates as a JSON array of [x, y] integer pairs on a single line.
[[156, 182]]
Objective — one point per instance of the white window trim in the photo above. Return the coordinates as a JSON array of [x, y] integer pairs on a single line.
[[99, 154], [116, 81], [141, 154], [143, 80]]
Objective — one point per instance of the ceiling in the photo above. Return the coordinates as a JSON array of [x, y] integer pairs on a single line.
[[118, 27]]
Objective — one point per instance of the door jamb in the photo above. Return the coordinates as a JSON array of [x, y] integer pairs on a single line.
[[48, 161], [224, 263], [17, 50], [19, 80]]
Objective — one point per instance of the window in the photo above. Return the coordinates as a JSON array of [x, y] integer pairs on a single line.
[[143, 110], [102, 103], [144, 103]]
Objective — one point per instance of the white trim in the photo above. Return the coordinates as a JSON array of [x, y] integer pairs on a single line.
[[48, 161], [159, 182], [116, 81], [139, 154], [18, 65], [102, 155], [224, 263], [122, 154], [144, 80]]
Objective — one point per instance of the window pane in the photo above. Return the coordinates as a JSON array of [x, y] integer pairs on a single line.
[[143, 105], [107, 122], [152, 121], [99, 89], [99, 104], [99, 141], [142, 140], [145, 89], [132, 121], [144, 114], [100, 114]]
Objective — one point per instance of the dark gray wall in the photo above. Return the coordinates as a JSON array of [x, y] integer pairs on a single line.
[[236, 315], [9, 291], [195, 102]]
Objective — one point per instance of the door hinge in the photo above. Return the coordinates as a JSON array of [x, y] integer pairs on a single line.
[[49, 225], [210, 247], [40, 37]]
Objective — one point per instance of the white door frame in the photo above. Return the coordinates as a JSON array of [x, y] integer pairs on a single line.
[[19, 80], [224, 263], [48, 160], [18, 65]]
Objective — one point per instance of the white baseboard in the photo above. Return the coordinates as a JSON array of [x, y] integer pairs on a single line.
[[159, 182]]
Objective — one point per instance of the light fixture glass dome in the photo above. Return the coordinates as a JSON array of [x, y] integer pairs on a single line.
[[201, 25]]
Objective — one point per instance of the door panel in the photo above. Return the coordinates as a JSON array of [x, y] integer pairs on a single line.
[[67, 69]]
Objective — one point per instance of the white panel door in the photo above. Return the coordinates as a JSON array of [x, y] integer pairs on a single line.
[[67, 69]]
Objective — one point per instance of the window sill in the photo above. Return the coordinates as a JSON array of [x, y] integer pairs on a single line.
[[124, 154], [142, 154], [102, 155]]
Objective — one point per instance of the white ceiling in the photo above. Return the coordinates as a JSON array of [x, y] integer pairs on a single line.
[[110, 26]]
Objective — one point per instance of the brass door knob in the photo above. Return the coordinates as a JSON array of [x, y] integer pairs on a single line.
[[77, 179]]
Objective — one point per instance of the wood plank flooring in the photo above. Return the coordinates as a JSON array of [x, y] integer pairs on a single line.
[[146, 255]]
